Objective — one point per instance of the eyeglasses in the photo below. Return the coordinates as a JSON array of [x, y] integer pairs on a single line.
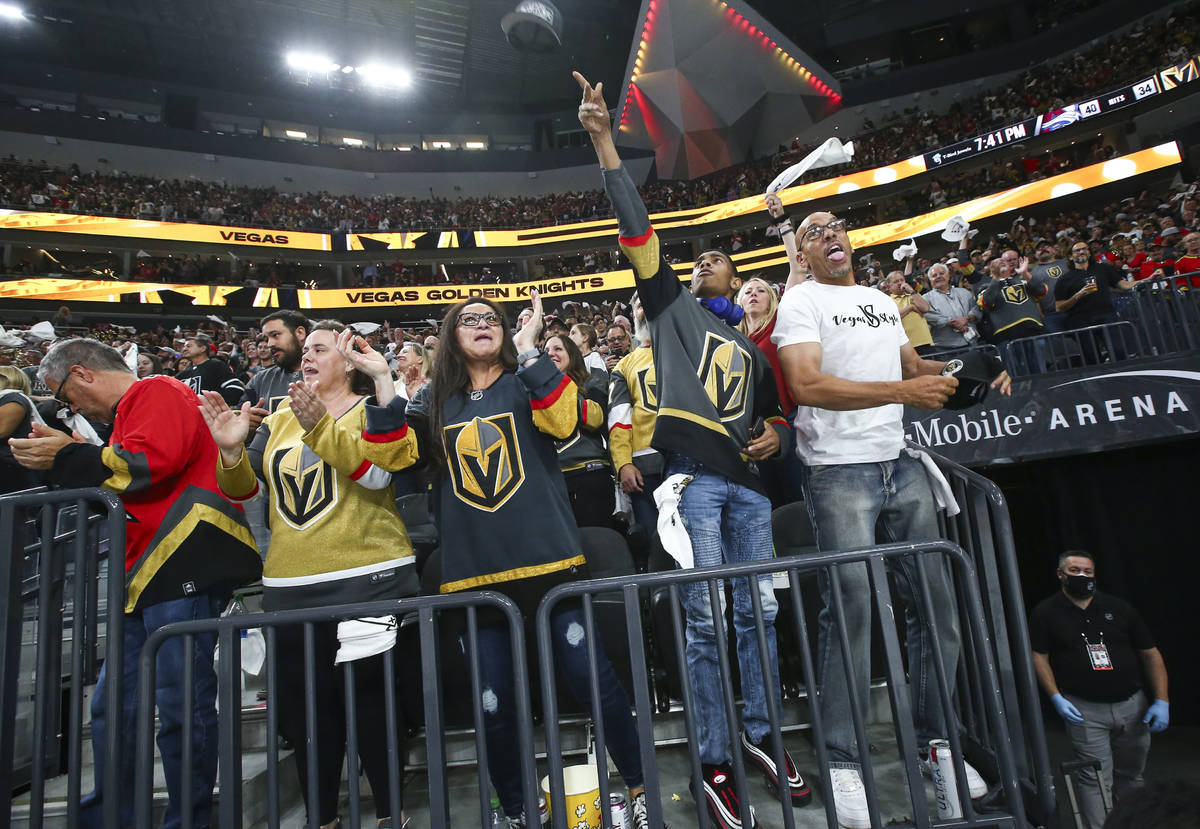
[[814, 231], [472, 320], [58, 393]]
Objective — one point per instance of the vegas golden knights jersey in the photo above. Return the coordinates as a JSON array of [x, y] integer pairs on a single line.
[[335, 534], [712, 381], [504, 515], [633, 409]]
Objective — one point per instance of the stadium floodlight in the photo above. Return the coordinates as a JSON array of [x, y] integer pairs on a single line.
[[10, 12], [476, 145], [386, 77], [312, 63], [352, 142], [301, 134]]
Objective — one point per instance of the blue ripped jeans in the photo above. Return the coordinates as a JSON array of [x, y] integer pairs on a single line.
[[726, 523], [845, 503], [567, 634]]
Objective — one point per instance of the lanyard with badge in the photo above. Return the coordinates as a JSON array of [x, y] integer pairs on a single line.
[[1098, 654]]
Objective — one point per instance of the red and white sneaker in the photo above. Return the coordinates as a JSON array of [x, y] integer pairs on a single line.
[[763, 758], [720, 792]]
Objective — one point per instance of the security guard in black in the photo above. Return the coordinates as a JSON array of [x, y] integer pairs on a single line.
[[1064, 631]]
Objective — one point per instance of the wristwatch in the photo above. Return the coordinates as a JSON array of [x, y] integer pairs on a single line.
[[526, 356]]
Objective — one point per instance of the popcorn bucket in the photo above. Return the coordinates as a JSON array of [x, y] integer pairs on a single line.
[[581, 787]]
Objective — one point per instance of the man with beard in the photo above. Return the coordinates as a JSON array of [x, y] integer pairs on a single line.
[[207, 373], [1084, 292], [852, 370], [284, 332], [1094, 657]]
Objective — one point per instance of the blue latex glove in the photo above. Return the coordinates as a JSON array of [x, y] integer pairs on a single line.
[[1158, 717], [1066, 709], [724, 308]]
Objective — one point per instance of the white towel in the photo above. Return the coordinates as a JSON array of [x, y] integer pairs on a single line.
[[360, 638], [671, 531], [831, 152], [942, 493]]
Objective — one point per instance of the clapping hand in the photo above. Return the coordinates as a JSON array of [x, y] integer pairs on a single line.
[[228, 427], [307, 407]]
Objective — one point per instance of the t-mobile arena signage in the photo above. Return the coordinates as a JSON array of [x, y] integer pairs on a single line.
[[1089, 410]]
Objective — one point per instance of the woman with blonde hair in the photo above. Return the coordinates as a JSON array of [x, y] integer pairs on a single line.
[[17, 415]]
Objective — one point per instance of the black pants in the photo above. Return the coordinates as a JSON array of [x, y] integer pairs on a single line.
[[370, 708], [593, 497]]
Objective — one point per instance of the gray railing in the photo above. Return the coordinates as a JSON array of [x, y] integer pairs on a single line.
[[983, 530], [994, 734], [228, 630], [34, 571], [1166, 311]]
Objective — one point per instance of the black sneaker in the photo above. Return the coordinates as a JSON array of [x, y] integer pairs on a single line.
[[720, 792], [764, 760]]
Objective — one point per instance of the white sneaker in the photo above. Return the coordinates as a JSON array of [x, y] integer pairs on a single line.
[[976, 785], [849, 798]]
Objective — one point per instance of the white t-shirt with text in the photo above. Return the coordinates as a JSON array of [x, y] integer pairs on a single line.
[[860, 333]]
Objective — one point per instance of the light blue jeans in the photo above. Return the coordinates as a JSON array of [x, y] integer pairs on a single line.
[[727, 523], [846, 502]]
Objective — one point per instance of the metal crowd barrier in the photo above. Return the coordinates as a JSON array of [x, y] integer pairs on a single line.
[[1076, 348], [47, 577], [983, 530], [993, 733], [1167, 312], [228, 630]]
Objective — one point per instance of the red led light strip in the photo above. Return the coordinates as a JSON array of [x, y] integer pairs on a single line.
[[737, 21]]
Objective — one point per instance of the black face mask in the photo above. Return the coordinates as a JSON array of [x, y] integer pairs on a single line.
[[1080, 586]]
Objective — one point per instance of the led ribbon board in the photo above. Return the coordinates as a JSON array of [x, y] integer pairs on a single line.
[[166, 231], [1159, 82], [1017, 198]]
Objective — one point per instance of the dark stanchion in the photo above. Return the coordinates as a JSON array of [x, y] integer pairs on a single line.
[[311, 745], [774, 708], [272, 650], [33, 577], [350, 702], [983, 529], [875, 562], [188, 715], [228, 630], [858, 717]]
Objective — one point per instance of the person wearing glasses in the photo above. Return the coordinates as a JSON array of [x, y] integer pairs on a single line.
[[852, 370], [1084, 291], [619, 345], [488, 420], [186, 548], [718, 414]]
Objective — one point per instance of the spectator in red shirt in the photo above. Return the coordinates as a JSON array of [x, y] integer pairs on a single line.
[[1189, 263]]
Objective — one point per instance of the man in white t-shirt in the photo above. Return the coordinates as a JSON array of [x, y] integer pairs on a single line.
[[852, 370]]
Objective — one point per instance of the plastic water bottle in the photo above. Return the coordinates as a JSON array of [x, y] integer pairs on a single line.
[[498, 816]]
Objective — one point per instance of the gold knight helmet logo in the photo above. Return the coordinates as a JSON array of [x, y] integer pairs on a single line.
[[303, 486], [725, 372], [648, 387], [1015, 294], [484, 460]]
